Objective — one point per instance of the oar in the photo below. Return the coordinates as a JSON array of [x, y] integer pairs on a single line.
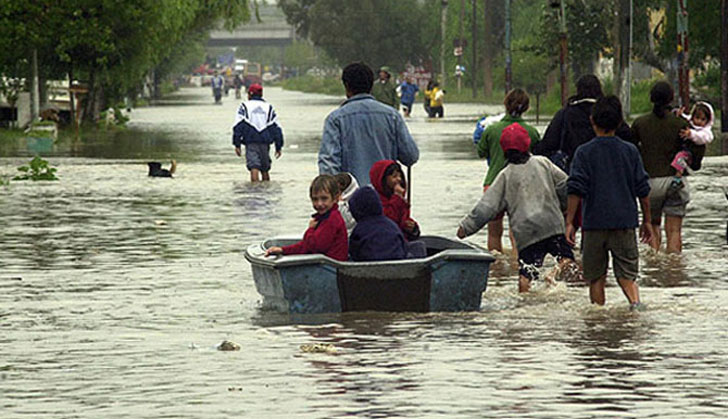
[[409, 185]]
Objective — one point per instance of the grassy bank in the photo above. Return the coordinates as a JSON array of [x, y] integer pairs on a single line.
[[311, 84]]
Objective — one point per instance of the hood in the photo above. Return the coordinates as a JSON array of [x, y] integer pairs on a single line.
[[347, 193], [376, 174], [709, 125], [385, 69], [365, 203]]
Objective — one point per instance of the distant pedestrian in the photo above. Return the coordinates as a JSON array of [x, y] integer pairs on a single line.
[[217, 83], [409, 91], [658, 137], [608, 175], [256, 127], [238, 85], [437, 101], [385, 88], [427, 96], [363, 131]]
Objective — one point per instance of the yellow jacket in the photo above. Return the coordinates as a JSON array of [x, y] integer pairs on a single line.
[[435, 99]]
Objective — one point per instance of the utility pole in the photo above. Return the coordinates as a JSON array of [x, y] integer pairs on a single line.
[[34, 89], [682, 52], [724, 73], [563, 52], [508, 46], [627, 105], [459, 45], [474, 48], [443, 28]]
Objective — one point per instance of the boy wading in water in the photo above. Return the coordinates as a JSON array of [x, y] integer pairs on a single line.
[[532, 190], [607, 173]]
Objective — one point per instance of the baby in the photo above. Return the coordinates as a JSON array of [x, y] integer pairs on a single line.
[[699, 133]]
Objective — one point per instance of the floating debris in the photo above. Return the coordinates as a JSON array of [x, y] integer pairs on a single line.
[[227, 345], [160, 222], [318, 348]]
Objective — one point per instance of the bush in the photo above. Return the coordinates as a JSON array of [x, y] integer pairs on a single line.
[[37, 169], [312, 84]]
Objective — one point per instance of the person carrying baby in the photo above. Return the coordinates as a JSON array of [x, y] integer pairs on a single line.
[[326, 233], [699, 133], [387, 178]]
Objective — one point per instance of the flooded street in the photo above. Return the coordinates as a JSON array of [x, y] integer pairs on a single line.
[[116, 287]]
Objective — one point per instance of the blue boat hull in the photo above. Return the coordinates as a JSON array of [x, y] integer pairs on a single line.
[[452, 278]]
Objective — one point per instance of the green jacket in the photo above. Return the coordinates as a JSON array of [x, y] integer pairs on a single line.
[[386, 92], [489, 145]]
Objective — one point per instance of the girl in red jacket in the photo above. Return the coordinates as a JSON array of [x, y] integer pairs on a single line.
[[387, 178], [326, 232]]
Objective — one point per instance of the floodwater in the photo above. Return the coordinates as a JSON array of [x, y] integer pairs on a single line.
[[115, 289]]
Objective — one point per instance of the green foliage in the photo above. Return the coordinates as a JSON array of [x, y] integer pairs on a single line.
[[378, 32], [312, 84], [37, 169]]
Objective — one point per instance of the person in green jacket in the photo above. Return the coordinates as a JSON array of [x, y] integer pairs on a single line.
[[516, 103], [385, 88]]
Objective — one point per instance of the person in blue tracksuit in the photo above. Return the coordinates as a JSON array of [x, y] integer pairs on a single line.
[[256, 127]]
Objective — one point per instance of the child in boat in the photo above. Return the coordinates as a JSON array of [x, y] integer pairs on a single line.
[[387, 178], [326, 232], [699, 133], [347, 185], [532, 190], [375, 236]]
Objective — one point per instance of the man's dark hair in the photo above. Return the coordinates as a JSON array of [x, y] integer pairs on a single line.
[[661, 96], [588, 86], [358, 78], [607, 113]]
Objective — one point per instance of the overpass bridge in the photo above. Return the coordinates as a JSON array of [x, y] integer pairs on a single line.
[[271, 31]]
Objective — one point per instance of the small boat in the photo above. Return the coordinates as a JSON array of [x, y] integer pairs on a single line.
[[452, 277]]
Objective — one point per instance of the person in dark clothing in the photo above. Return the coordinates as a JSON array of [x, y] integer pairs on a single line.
[[608, 175], [375, 236], [571, 127]]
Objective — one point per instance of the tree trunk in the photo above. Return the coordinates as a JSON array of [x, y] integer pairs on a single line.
[[443, 46], [94, 99], [487, 49], [724, 74], [621, 50], [34, 91]]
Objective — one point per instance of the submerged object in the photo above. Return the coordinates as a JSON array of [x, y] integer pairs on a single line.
[[156, 170], [452, 277]]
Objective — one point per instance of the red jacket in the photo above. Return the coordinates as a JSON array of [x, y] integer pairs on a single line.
[[393, 206], [328, 237]]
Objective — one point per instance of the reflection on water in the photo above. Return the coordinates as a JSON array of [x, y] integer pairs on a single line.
[[116, 287]]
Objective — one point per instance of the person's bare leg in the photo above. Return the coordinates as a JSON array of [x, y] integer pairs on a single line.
[[596, 290], [266, 176], [254, 175], [630, 290], [523, 284], [495, 231], [656, 237], [673, 234]]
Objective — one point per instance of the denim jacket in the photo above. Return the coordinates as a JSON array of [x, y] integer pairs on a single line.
[[361, 132]]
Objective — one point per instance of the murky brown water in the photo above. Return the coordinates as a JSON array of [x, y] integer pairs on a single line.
[[115, 288]]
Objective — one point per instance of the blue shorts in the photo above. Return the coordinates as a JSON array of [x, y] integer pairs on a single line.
[[257, 156], [532, 256]]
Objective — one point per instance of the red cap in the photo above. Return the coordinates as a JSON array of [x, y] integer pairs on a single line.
[[255, 89], [515, 137]]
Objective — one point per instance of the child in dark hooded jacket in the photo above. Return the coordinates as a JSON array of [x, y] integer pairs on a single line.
[[387, 178], [375, 236]]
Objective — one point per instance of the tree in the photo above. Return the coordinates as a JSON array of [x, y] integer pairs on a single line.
[[379, 32]]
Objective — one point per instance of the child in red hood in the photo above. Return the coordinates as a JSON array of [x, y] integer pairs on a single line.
[[387, 178]]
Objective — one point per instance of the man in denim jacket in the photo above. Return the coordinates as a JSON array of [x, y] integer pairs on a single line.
[[363, 131]]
